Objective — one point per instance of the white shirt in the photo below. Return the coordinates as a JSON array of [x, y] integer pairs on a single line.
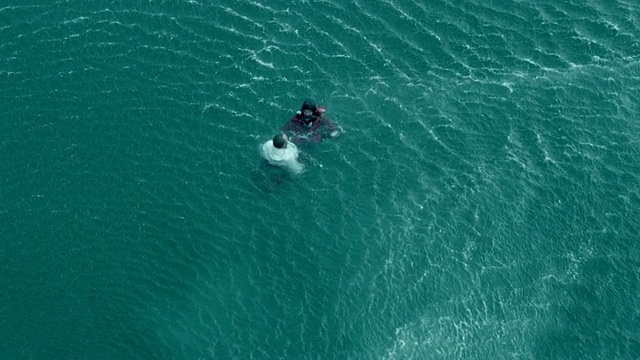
[[285, 157]]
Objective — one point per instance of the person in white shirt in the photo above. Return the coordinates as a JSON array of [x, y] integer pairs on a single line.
[[279, 151]]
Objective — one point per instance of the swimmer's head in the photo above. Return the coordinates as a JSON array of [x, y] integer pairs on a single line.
[[308, 111], [280, 141], [309, 104]]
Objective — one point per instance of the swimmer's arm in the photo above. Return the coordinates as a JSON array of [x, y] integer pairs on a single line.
[[332, 128]]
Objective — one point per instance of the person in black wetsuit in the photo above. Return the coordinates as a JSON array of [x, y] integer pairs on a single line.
[[309, 125]]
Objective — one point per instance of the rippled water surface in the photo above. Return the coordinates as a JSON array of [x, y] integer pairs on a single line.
[[482, 202]]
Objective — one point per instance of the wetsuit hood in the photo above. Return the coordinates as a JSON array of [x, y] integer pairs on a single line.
[[309, 105]]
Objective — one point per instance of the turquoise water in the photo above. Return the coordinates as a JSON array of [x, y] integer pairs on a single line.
[[482, 202]]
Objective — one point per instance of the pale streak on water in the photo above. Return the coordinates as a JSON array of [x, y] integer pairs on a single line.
[[423, 232]]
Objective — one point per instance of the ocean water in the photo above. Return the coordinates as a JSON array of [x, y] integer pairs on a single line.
[[482, 202]]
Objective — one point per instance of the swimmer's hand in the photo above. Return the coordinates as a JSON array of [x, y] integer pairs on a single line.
[[334, 133]]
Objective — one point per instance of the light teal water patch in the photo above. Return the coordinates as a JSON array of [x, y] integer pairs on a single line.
[[482, 201]]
